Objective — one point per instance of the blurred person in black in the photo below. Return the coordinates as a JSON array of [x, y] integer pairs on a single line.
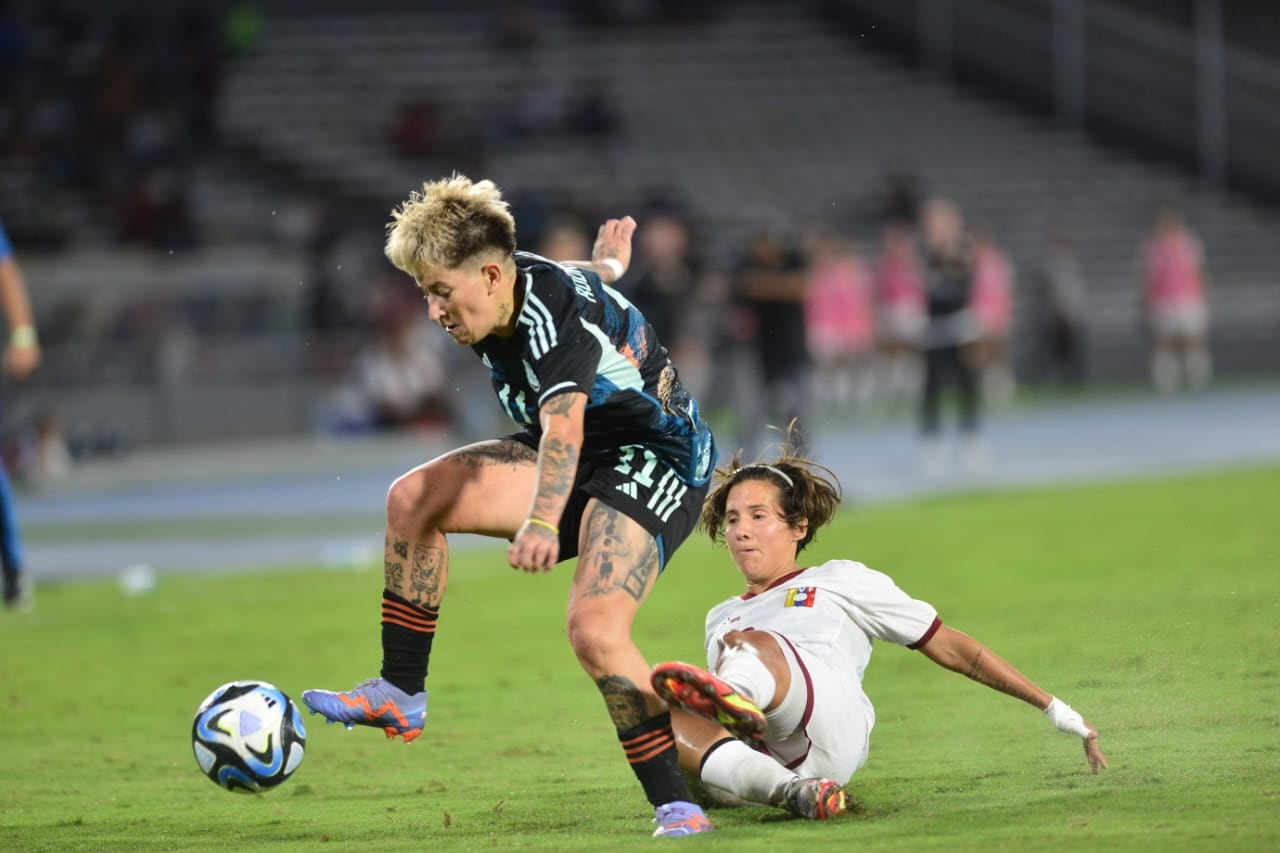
[[1060, 299], [950, 336], [769, 288]]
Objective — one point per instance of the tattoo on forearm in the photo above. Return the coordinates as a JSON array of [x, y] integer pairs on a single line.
[[426, 575], [624, 700], [495, 453], [556, 473]]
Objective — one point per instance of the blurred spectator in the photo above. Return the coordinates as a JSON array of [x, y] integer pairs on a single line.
[[43, 456], [770, 285], [838, 320], [565, 238], [401, 375], [900, 318], [950, 336], [1173, 292], [662, 276], [993, 278], [1060, 310]]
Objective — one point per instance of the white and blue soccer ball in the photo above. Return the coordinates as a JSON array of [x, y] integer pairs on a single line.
[[248, 736]]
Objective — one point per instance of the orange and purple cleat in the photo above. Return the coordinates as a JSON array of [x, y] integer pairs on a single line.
[[375, 702], [692, 689], [680, 818]]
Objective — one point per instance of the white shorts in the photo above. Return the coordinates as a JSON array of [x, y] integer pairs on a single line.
[[1180, 320], [823, 726], [902, 324]]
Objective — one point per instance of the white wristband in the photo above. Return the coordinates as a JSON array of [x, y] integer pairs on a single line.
[[615, 265], [1066, 718]]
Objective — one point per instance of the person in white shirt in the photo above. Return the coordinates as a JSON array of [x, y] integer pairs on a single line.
[[786, 720]]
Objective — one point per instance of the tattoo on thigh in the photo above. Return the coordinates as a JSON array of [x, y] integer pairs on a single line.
[[425, 575], [637, 579], [624, 700], [608, 563], [495, 453]]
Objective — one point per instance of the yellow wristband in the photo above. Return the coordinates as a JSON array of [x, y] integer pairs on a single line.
[[23, 336], [546, 524]]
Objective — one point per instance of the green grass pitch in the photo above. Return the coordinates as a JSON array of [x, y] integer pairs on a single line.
[[1153, 607]]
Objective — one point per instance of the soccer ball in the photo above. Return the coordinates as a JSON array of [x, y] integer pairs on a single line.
[[248, 736]]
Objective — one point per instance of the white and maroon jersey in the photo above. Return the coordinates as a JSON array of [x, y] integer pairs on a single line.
[[832, 611], [575, 333]]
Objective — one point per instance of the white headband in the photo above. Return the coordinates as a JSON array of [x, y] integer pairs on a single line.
[[770, 469]]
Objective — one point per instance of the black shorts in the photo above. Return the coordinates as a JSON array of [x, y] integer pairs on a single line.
[[637, 483]]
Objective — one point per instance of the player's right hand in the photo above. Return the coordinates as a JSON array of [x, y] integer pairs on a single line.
[[534, 549]]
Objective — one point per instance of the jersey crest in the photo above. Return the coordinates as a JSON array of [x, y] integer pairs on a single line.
[[800, 596]]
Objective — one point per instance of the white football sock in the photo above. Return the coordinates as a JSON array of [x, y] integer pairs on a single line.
[[743, 669], [737, 768]]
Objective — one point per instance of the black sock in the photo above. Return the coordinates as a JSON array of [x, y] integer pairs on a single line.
[[651, 751], [407, 632]]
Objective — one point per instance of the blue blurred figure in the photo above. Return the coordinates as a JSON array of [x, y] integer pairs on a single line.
[[21, 357]]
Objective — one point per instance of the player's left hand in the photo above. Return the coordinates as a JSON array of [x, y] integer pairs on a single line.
[[1097, 761], [535, 549], [613, 241], [20, 361]]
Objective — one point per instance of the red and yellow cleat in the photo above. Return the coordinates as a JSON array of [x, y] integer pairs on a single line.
[[697, 691]]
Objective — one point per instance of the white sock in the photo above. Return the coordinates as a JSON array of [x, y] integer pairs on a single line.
[[743, 669], [1164, 371], [1199, 367], [737, 768]]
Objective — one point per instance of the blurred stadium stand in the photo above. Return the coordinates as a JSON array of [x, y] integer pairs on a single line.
[[748, 113]]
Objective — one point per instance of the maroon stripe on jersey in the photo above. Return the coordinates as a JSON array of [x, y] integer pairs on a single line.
[[808, 702], [928, 635], [779, 582]]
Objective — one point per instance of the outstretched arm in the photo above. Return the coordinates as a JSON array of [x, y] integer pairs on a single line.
[[537, 543], [22, 355], [611, 254], [961, 653]]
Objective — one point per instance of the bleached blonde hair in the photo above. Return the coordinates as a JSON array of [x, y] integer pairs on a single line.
[[448, 222]]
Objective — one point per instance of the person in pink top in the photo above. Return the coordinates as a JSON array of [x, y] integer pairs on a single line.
[[900, 317], [1173, 295], [992, 303], [839, 327]]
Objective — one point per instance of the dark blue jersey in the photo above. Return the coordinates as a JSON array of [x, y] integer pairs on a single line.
[[575, 333]]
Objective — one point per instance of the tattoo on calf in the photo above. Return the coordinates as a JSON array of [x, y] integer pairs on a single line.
[[624, 700], [426, 575], [393, 576], [401, 548]]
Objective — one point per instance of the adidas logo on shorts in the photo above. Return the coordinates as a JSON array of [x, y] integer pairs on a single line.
[[628, 489]]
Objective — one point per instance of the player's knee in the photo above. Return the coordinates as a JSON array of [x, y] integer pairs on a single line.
[[596, 635], [409, 503], [760, 642]]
